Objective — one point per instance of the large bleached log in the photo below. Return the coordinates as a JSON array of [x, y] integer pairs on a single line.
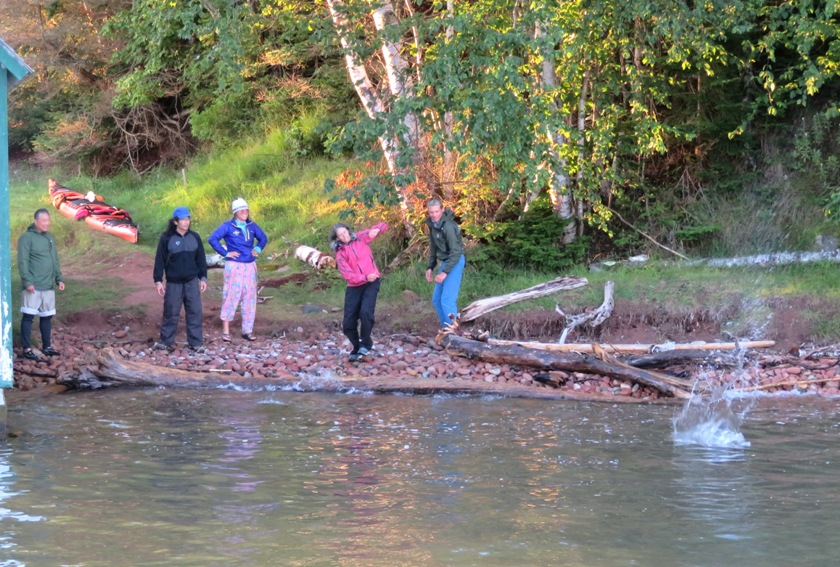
[[314, 257], [602, 364], [632, 348], [111, 370], [478, 308], [773, 259]]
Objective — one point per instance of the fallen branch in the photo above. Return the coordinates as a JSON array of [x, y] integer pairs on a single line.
[[619, 217], [314, 257], [631, 348], [600, 364], [595, 317], [111, 370], [786, 383], [478, 308], [672, 357]]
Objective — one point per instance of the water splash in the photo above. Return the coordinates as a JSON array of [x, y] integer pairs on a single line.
[[715, 419], [709, 423]]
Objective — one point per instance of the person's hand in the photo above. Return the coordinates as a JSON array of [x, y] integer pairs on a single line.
[[372, 277], [428, 275], [160, 289], [255, 252], [60, 286], [233, 254], [202, 286], [373, 233], [30, 288], [440, 277]]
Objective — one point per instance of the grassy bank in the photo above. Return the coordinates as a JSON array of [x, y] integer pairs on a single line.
[[287, 198]]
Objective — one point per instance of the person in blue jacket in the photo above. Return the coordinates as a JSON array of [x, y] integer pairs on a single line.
[[243, 242]]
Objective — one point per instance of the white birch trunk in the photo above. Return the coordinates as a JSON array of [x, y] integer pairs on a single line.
[[370, 99], [401, 85], [558, 187], [448, 124]]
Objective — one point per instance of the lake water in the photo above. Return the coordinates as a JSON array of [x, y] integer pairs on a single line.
[[205, 478]]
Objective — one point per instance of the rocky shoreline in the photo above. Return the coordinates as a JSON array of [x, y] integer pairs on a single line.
[[407, 358]]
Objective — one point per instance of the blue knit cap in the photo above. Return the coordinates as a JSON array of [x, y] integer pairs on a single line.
[[181, 213]]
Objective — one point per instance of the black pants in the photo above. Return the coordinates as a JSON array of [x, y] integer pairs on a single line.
[[45, 324], [359, 305], [178, 294]]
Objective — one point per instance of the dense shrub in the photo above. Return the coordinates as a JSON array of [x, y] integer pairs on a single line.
[[535, 241]]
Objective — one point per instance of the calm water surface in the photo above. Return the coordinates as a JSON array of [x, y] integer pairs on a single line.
[[159, 477]]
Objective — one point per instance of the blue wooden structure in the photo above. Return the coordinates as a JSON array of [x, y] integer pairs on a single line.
[[12, 71]]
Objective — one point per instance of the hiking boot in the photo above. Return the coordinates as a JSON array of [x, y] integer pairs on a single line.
[[50, 351], [200, 349], [29, 354], [354, 357], [161, 346], [364, 352]]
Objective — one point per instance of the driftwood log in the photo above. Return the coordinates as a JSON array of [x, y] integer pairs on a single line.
[[314, 257], [598, 363], [632, 348], [478, 308], [594, 317], [111, 370]]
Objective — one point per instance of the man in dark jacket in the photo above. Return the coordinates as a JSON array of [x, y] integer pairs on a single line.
[[446, 246], [180, 256], [40, 273]]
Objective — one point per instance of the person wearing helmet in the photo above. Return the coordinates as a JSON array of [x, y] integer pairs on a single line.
[[243, 241]]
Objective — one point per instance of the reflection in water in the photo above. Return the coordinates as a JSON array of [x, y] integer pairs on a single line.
[[237, 478]]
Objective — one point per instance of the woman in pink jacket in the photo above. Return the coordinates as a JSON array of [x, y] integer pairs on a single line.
[[355, 263]]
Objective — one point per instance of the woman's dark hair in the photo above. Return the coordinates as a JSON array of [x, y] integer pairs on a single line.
[[334, 231], [335, 243], [171, 227]]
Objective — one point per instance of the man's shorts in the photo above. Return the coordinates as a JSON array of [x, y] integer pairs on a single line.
[[40, 303]]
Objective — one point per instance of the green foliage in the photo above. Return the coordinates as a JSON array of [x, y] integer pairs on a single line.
[[535, 241], [697, 234]]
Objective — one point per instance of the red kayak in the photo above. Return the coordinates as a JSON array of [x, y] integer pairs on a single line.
[[94, 210], [113, 221], [70, 203]]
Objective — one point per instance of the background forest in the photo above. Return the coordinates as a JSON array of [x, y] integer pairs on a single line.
[[558, 131]]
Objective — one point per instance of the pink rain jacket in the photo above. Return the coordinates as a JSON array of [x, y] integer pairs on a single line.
[[355, 259]]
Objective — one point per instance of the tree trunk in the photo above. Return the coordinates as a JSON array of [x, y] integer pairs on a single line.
[[558, 189], [568, 361], [401, 85], [631, 348], [111, 370], [371, 101]]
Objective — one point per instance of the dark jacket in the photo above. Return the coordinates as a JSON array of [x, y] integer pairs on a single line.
[[238, 240], [38, 259], [445, 243], [180, 257]]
